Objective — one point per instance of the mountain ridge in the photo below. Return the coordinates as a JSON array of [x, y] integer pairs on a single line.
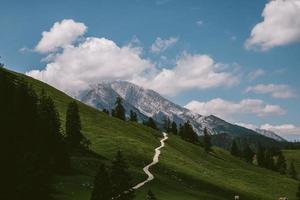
[[148, 103]]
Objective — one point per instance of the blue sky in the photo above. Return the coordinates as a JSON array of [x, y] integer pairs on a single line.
[[207, 35]]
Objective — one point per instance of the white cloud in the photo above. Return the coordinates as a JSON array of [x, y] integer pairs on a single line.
[[191, 72], [161, 45], [231, 110], [61, 34], [280, 26], [199, 22], [276, 90], [92, 61], [255, 74]]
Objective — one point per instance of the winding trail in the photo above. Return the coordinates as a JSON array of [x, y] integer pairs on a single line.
[[154, 162]]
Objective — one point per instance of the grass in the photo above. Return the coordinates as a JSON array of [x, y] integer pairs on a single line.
[[185, 171]]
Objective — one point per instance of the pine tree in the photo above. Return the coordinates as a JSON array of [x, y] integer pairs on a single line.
[[119, 110], [151, 123], [74, 136], [206, 140], [260, 155], [133, 116], [120, 178], [281, 164], [292, 171], [248, 153], [269, 160], [167, 125], [105, 111], [102, 185], [150, 196], [174, 129], [298, 192], [49, 124], [234, 149]]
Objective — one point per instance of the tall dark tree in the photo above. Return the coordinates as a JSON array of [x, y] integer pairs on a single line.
[[102, 185], [150, 196], [133, 116], [55, 146], [174, 128], [281, 164], [206, 140], [292, 171], [298, 192], [260, 155], [151, 123], [269, 160], [105, 111], [187, 133], [234, 150], [119, 110], [248, 153], [167, 125], [74, 135], [121, 179]]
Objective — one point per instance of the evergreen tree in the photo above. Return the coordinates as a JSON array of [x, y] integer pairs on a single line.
[[248, 153], [121, 179], [174, 129], [269, 160], [167, 125], [73, 126], [105, 111], [102, 185], [260, 156], [151, 123], [49, 124], [133, 116], [150, 196], [292, 171], [298, 192], [206, 140], [119, 110], [281, 164], [187, 133], [234, 149]]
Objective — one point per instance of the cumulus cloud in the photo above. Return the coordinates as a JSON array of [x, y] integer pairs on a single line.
[[276, 90], [61, 34], [199, 22], [231, 110], [161, 45], [255, 74], [190, 72], [92, 60], [280, 26]]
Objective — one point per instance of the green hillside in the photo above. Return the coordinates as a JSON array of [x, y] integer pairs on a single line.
[[185, 171]]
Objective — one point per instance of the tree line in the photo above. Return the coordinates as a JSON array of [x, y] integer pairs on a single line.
[[33, 146], [269, 158]]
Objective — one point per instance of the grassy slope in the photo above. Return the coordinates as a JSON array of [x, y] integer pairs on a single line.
[[185, 171]]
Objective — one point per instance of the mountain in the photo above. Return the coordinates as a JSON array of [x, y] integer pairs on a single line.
[[148, 103], [270, 134], [185, 170]]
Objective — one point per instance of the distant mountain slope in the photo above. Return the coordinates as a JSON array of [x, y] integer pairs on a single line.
[[148, 103], [270, 134]]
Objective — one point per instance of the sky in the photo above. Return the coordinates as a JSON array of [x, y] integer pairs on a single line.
[[239, 60]]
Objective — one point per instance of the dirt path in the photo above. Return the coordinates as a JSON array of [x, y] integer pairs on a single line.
[[154, 162]]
